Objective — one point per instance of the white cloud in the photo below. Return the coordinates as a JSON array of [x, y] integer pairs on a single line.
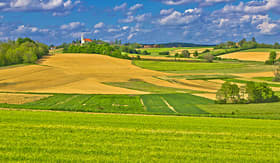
[[137, 18], [125, 27], [1, 17], [267, 28], [254, 7], [120, 7], [24, 29], [58, 6], [72, 26], [166, 11], [201, 2], [130, 36], [2, 4], [135, 7], [177, 18], [99, 25]]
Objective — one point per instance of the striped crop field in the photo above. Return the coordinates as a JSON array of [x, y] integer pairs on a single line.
[[71, 137]]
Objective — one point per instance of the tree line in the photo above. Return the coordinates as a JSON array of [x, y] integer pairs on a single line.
[[23, 50], [94, 48], [244, 45]]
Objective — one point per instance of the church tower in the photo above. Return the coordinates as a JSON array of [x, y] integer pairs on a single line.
[[82, 39]]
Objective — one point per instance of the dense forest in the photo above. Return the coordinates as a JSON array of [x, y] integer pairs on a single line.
[[23, 50]]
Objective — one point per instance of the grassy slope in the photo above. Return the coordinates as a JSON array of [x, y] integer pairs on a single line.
[[63, 137]]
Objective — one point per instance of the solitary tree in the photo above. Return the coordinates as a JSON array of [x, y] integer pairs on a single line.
[[195, 54], [277, 74], [185, 54], [272, 58], [209, 57]]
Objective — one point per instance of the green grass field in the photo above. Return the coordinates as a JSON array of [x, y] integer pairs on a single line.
[[148, 87], [182, 103], [261, 50], [85, 103], [217, 67], [28, 136], [184, 66]]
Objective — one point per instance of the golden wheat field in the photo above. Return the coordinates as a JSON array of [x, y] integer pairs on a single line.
[[248, 56], [80, 73], [12, 98]]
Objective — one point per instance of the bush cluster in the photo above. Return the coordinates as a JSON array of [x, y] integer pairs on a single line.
[[252, 93]]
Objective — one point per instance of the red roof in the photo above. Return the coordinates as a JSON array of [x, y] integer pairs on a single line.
[[87, 40]]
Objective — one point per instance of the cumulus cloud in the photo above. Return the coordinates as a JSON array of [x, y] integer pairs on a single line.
[[72, 26], [267, 28], [254, 7], [99, 25], [120, 7], [166, 11], [201, 2], [57, 6], [178, 18], [135, 7], [137, 18]]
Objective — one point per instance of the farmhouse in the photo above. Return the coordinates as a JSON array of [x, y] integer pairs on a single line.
[[151, 46]]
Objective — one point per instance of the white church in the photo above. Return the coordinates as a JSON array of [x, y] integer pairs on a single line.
[[85, 40]]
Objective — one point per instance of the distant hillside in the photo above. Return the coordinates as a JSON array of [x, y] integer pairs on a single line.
[[180, 44]]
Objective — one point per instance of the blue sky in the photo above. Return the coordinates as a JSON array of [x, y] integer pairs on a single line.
[[143, 21]]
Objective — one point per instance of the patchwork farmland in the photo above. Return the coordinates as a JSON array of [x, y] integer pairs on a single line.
[[97, 95]]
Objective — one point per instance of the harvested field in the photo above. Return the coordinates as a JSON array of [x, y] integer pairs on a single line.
[[248, 56], [73, 73], [257, 74], [12, 98], [78, 73], [211, 96]]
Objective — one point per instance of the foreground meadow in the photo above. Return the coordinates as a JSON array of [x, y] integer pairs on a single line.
[[79, 137]]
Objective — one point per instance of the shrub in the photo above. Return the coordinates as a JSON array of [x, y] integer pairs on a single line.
[[145, 52], [185, 54], [195, 54], [164, 53], [206, 51]]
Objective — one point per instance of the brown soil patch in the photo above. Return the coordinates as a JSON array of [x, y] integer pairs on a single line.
[[12, 98]]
